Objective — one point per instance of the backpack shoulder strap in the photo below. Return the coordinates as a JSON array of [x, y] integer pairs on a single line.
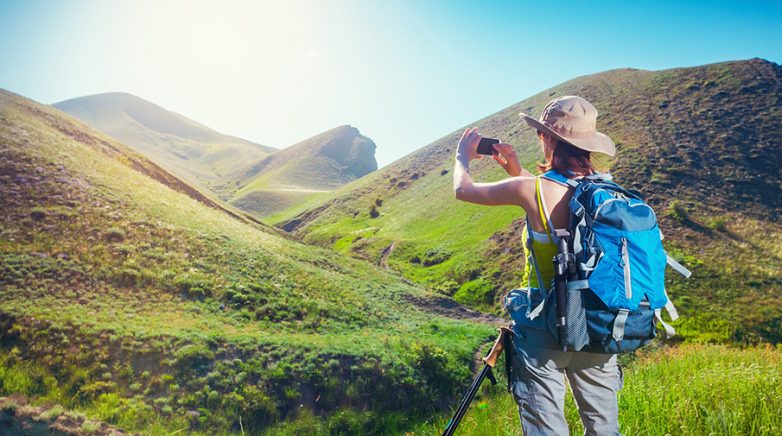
[[555, 176]]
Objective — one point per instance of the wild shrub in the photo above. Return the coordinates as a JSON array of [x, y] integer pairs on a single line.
[[92, 391], [114, 234], [193, 355], [476, 292], [195, 286], [126, 278], [435, 256], [256, 407], [677, 211], [440, 371], [53, 412], [349, 422], [719, 223], [446, 287], [38, 213], [89, 426]]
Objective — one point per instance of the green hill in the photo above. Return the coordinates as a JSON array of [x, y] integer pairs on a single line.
[[703, 144], [182, 146], [302, 171], [128, 296]]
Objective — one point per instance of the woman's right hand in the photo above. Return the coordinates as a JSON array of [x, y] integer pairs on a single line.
[[468, 145], [506, 157]]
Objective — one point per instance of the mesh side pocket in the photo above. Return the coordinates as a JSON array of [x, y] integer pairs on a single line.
[[577, 336]]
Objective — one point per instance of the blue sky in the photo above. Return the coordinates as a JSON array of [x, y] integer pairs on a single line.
[[404, 72]]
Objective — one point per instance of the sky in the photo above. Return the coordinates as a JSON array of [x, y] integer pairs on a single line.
[[405, 73]]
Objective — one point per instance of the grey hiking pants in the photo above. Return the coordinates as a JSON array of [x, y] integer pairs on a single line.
[[538, 372]]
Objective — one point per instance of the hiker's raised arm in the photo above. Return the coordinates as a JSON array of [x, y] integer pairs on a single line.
[[512, 191]]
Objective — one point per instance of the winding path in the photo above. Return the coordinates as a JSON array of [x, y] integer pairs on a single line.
[[383, 263]]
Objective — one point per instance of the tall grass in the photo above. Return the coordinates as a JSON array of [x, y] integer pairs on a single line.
[[696, 389]]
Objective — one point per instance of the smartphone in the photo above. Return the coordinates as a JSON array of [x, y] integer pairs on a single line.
[[485, 146]]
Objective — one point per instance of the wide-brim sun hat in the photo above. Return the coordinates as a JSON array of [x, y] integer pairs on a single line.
[[574, 120]]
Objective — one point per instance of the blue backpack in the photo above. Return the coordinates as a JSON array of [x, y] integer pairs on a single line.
[[616, 293]]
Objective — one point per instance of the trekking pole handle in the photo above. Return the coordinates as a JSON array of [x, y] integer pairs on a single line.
[[496, 349]]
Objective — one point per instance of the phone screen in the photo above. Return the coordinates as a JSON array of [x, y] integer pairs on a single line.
[[485, 146]]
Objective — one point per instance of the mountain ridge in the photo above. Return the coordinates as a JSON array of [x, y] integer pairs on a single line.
[[287, 177], [187, 147]]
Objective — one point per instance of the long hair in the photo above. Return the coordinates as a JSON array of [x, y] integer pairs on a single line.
[[565, 158]]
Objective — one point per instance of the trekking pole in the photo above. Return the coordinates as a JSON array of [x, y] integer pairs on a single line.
[[489, 361], [564, 266]]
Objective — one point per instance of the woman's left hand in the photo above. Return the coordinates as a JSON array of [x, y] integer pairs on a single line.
[[468, 145], [507, 159]]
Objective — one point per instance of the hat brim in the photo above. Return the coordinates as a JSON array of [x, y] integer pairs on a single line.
[[599, 143]]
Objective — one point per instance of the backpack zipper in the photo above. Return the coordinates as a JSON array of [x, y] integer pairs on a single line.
[[626, 266]]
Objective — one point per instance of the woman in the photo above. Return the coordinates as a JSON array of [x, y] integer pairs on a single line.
[[567, 134]]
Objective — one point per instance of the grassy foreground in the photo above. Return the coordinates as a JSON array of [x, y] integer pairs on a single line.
[[691, 389], [686, 390]]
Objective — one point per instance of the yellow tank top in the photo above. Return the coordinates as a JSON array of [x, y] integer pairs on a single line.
[[544, 251]]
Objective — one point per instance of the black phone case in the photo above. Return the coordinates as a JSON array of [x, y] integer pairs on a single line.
[[485, 146]]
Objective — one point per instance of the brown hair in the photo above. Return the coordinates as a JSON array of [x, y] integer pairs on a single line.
[[565, 158]]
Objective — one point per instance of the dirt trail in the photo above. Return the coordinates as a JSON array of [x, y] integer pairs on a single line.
[[383, 263], [439, 304], [446, 306]]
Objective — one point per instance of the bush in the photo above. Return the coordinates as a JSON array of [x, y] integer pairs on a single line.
[[193, 355], [194, 286], [476, 292], [435, 256], [126, 277], [38, 213], [443, 375], [257, 408], [94, 390], [719, 223], [349, 422], [114, 234], [677, 211]]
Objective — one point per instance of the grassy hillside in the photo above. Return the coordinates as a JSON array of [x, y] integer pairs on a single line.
[[183, 146], [126, 296], [301, 172], [703, 144]]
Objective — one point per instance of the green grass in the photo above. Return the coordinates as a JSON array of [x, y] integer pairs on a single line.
[[691, 390], [138, 304]]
